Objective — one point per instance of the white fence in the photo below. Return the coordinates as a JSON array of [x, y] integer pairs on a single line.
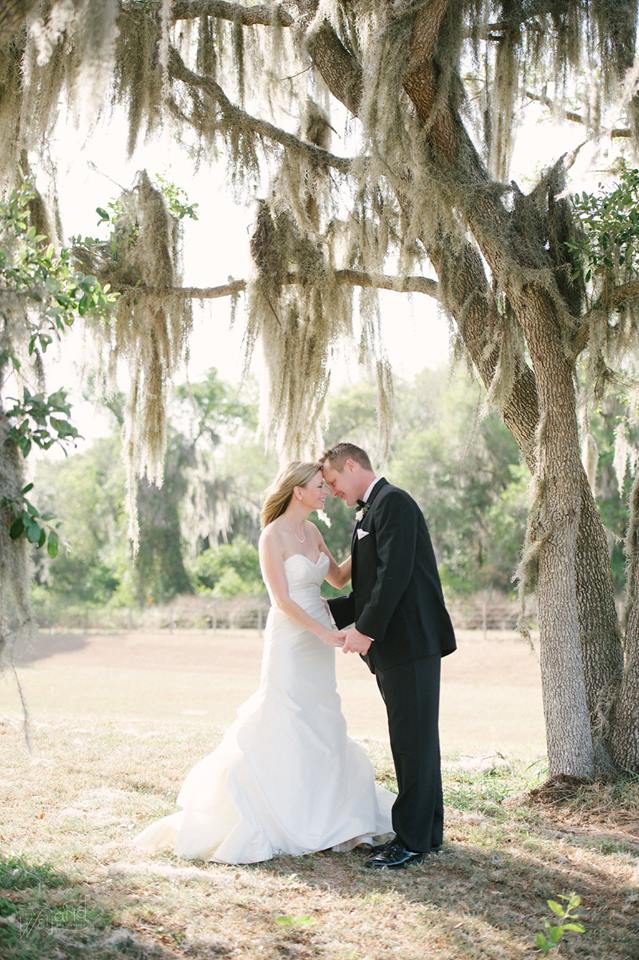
[[488, 611], [485, 612]]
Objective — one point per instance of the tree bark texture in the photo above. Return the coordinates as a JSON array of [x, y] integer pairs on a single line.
[[568, 730], [625, 713]]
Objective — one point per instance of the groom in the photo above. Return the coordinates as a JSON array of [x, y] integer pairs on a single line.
[[401, 628]]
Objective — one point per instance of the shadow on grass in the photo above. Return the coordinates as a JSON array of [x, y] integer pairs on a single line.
[[471, 900], [469, 888], [45, 914], [45, 645]]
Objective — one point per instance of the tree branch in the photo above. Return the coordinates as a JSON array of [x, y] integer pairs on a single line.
[[266, 14], [339, 69], [233, 115], [386, 282], [354, 278], [616, 132], [609, 300], [468, 296]]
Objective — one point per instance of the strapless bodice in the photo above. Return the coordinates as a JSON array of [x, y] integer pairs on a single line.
[[303, 572], [305, 577]]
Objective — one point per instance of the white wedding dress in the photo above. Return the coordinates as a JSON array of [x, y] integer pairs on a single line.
[[286, 778]]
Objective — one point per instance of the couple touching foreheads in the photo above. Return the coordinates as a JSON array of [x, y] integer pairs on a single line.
[[286, 778]]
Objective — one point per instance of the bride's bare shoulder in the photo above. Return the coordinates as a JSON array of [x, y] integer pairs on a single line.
[[271, 536], [313, 529]]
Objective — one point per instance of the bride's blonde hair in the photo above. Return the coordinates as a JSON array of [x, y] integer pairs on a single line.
[[295, 474]]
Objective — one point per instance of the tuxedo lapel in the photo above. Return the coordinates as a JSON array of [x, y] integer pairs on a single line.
[[382, 482]]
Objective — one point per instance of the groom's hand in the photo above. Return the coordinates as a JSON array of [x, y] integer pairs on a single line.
[[334, 638], [355, 642]]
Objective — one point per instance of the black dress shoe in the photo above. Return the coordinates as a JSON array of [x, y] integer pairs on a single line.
[[394, 857], [378, 848]]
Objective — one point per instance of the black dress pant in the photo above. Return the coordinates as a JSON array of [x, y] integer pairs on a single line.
[[411, 695]]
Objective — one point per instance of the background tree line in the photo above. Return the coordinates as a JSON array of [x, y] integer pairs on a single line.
[[199, 531]]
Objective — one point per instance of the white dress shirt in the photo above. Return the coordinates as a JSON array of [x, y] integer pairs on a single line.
[[369, 489]]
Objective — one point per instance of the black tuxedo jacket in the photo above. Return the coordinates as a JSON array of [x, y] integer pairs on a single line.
[[397, 596]]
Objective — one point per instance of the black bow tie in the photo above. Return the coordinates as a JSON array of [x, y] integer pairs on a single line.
[[361, 504]]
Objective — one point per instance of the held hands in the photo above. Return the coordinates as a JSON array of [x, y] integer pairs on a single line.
[[334, 638], [355, 642]]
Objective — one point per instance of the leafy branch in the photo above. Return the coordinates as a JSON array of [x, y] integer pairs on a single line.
[[608, 247], [38, 421], [568, 922], [94, 252], [33, 272], [43, 287], [27, 521], [176, 199]]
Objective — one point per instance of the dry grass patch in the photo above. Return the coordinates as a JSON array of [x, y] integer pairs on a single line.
[[209, 673], [71, 886]]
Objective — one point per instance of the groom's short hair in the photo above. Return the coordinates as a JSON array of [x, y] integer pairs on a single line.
[[337, 456]]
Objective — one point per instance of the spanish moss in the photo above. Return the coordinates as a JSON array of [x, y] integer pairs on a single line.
[[150, 329]]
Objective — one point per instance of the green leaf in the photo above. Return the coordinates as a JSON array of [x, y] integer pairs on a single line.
[[63, 427], [17, 528], [42, 539], [34, 531], [26, 489], [556, 907], [52, 545], [575, 927], [542, 943], [556, 933]]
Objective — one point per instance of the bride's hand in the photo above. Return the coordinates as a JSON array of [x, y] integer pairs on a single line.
[[334, 638]]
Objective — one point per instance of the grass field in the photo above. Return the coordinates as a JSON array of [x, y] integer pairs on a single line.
[[117, 721]]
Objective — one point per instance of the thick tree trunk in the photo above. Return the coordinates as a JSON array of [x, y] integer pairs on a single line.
[[469, 301], [555, 522], [625, 713], [468, 297], [570, 742], [599, 630], [624, 740]]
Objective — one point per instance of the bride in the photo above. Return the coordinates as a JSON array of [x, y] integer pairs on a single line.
[[286, 778]]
